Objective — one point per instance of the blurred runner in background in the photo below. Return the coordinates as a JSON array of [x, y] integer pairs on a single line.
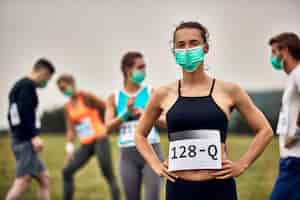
[[83, 118]]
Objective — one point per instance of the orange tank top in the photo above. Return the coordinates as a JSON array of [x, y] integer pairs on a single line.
[[86, 120]]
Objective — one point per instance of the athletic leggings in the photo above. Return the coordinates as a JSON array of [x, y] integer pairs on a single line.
[[101, 148], [134, 170]]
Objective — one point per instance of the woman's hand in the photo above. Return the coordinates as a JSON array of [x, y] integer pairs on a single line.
[[137, 112], [290, 141], [70, 148], [130, 104], [230, 169], [161, 169]]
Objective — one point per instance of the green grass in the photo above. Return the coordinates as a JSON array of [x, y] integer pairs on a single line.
[[256, 183]]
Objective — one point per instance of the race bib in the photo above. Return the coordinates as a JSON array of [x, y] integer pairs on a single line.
[[127, 130], [14, 115], [38, 123], [282, 126], [84, 128], [201, 150]]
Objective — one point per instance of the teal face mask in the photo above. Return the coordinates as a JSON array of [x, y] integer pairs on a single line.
[[138, 76], [276, 63], [43, 84], [68, 92], [189, 59]]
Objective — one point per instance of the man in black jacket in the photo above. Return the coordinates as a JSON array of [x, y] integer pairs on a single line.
[[24, 125]]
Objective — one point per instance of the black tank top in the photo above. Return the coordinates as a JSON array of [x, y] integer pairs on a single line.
[[196, 113]]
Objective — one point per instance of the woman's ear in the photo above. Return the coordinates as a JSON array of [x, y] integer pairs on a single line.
[[128, 73], [285, 52], [206, 48]]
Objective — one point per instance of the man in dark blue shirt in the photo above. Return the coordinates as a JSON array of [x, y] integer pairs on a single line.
[[24, 125]]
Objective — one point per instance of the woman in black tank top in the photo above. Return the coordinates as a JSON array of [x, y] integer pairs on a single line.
[[197, 109], [212, 117]]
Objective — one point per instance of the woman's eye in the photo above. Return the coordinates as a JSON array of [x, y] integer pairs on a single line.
[[195, 43], [180, 46]]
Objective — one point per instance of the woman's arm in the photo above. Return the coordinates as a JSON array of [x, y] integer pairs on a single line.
[[112, 121], [292, 139], [259, 125], [95, 101], [161, 121], [143, 129], [70, 136]]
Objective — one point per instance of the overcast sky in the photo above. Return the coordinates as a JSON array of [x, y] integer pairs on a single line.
[[88, 38]]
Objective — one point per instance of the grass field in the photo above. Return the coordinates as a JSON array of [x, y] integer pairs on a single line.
[[255, 184]]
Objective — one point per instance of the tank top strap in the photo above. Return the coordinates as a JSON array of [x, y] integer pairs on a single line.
[[179, 88], [212, 87]]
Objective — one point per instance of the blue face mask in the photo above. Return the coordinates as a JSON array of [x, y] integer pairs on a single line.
[[138, 76], [68, 92], [189, 59], [276, 63]]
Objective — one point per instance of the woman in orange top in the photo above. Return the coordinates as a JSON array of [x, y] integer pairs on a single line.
[[83, 118]]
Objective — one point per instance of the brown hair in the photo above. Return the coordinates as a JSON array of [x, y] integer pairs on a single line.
[[67, 78], [128, 61], [203, 30], [290, 41], [45, 64]]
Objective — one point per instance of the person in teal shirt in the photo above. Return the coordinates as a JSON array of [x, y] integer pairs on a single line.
[[125, 106]]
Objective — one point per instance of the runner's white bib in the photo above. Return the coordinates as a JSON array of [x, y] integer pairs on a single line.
[[14, 115], [200, 151], [38, 124], [127, 130], [84, 128], [282, 126]]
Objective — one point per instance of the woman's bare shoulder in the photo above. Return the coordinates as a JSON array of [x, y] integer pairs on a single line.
[[229, 87], [166, 90]]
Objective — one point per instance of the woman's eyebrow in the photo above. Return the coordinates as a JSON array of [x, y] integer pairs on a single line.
[[180, 42], [194, 40]]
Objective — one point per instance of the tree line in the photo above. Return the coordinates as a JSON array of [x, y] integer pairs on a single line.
[[53, 121]]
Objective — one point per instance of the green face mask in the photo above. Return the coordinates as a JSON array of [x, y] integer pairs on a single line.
[[189, 59], [68, 92], [138, 76], [276, 63], [43, 84]]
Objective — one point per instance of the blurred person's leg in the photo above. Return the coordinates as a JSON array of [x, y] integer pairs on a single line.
[[288, 180], [131, 172], [81, 157], [103, 153], [152, 182], [28, 165], [44, 185], [19, 187], [41, 174]]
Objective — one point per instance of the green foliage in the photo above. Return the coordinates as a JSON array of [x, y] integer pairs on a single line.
[[53, 121], [268, 102]]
